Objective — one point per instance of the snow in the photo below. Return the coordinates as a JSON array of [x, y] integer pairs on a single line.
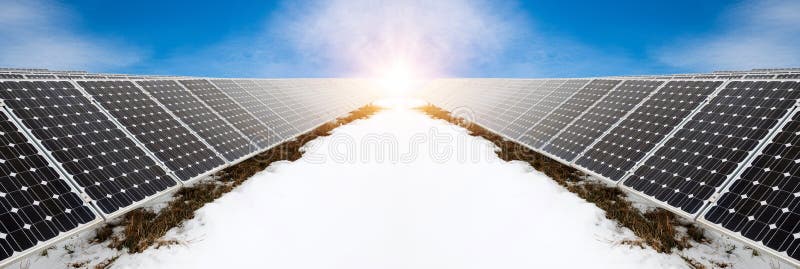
[[401, 190]]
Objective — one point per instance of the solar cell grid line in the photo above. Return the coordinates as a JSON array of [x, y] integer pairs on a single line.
[[609, 112], [557, 117], [447, 101], [514, 110], [728, 77], [40, 206], [263, 91], [531, 111], [205, 142], [325, 101], [699, 158], [760, 205], [440, 93], [252, 128], [570, 112], [261, 111], [300, 95], [122, 128], [788, 76], [456, 89], [97, 155], [177, 147], [11, 76], [258, 93], [296, 96], [634, 138], [222, 137], [517, 90], [34, 76], [500, 102], [471, 109], [759, 76]]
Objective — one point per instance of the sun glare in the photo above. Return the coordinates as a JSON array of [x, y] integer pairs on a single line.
[[398, 79]]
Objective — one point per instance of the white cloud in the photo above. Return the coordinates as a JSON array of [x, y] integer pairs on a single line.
[[39, 34], [368, 35], [756, 34]]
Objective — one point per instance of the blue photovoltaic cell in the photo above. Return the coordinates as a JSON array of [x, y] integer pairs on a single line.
[[694, 163], [172, 143], [36, 203], [201, 119], [100, 157], [251, 127], [763, 203], [624, 146], [536, 105]]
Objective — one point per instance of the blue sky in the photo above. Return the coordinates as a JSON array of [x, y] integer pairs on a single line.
[[474, 38]]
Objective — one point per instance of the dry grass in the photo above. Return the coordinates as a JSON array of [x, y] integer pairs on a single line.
[[142, 228], [656, 228]]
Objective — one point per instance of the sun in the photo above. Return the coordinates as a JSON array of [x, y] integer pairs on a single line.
[[398, 78]]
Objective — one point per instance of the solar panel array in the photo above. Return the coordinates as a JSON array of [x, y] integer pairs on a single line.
[[38, 205], [170, 141], [720, 148], [90, 147]]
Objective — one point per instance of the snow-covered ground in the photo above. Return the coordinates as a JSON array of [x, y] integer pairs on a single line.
[[400, 190]]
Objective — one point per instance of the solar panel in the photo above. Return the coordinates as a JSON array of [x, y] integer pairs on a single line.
[[694, 163], [515, 105], [260, 91], [759, 76], [502, 98], [34, 76], [762, 204], [278, 108], [37, 205], [11, 76], [168, 139], [627, 143], [201, 119], [732, 77], [316, 98], [555, 121], [251, 127], [107, 165], [535, 106], [69, 77], [256, 107], [789, 76], [579, 135], [285, 93]]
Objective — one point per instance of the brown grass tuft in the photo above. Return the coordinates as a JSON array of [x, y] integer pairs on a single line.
[[656, 228], [143, 228]]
